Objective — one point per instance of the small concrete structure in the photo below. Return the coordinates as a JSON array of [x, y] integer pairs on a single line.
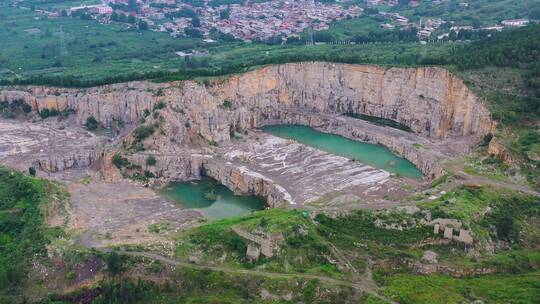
[[464, 237], [253, 253], [260, 245], [452, 230], [448, 232]]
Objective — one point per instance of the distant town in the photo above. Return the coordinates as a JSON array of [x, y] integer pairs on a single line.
[[275, 20]]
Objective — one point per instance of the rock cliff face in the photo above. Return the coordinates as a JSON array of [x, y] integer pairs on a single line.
[[431, 101]]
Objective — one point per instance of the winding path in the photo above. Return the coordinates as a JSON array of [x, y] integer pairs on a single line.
[[359, 286]]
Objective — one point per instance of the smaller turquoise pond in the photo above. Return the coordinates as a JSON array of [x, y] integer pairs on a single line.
[[213, 200], [374, 155]]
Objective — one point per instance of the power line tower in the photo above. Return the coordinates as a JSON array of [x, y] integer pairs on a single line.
[[309, 36], [63, 49]]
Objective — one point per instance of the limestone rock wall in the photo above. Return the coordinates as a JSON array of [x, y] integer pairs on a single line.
[[429, 100], [245, 182]]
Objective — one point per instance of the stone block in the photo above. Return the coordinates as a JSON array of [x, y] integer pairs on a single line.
[[253, 252], [464, 237], [448, 232], [436, 228]]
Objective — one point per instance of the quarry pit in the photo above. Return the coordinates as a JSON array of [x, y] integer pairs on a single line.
[[214, 130]]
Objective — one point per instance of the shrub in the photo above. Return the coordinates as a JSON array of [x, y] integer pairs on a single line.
[[115, 263], [148, 174], [143, 132], [120, 161], [151, 161], [91, 123], [227, 104], [146, 112], [44, 113], [32, 171], [160, 105]]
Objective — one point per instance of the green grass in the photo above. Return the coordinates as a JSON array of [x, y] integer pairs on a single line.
[[93, 50], [186, 285], [358, 230], [492, 214], [302, 251], [418, 289]]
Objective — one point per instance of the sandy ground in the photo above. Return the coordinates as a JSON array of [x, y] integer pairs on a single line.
[[121, 213]]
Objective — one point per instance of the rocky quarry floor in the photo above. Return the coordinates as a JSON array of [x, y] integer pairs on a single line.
[[308, 174]]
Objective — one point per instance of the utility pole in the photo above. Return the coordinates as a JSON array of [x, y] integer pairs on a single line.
[[63, 49]]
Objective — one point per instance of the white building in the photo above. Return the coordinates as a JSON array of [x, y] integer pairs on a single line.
[[515, 22]]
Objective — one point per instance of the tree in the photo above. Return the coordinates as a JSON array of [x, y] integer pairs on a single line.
[[131, 19], [114, 16], [225, 14], [120, 161], [91, 123], [143, 25], [32, 171], [192, 32], [122, 18], [115, 263], [195, 21], [151, 161], [44, 113], [132, 5]]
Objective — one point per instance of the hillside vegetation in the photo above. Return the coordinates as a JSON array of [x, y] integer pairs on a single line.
[[24, 234], [387, 243]]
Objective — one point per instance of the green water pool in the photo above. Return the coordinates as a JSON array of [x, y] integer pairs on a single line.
[[213, 200], [374, 155]]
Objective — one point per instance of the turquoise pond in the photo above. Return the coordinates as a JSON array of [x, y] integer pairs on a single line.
[[213, 200], [374, 155]]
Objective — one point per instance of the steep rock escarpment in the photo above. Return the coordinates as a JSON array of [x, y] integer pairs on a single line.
[[431, 101]]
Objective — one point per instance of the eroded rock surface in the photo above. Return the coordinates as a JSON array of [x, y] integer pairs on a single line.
[[47, 146]]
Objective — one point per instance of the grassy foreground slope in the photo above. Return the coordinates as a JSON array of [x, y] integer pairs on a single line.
[[365, 247], [320, 259], [24, 233]]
